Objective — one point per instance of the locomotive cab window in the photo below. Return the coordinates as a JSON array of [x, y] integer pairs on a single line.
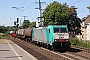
[[60, 30], [49, 30]]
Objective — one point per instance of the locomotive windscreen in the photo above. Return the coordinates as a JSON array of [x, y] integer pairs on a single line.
[[60, 30]]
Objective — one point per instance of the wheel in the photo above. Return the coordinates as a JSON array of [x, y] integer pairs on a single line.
[[48, 47]]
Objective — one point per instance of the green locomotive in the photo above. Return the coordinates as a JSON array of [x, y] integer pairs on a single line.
[[53, 37]]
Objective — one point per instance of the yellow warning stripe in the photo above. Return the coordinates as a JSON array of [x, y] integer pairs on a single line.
[[5, 40]]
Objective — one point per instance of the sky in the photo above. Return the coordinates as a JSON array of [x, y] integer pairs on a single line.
[[27, 8]]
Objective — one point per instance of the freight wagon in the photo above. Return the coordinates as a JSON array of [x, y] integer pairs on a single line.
[[13, 34], [20, 33]]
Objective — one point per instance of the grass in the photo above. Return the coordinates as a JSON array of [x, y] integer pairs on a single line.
[[2, 35], [83, 43]]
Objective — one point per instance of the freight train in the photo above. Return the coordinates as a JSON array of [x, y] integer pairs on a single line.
[[52, 37]]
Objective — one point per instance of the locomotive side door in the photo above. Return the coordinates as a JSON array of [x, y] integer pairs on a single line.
[[51, 36], [47, 35]]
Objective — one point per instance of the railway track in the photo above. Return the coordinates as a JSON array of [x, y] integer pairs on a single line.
[[82, 48], [75, 56], [44, 54]]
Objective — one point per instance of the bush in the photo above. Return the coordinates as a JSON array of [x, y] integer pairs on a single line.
[[88, 45], [0, 36], [74, 41], [83, 43]]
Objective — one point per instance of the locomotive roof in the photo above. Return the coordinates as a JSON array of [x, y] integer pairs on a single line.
[[40, 27]]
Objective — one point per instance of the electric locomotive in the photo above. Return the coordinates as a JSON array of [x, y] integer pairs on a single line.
[[53, 37]]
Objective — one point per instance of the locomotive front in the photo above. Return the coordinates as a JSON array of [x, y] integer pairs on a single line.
[[61, 38]]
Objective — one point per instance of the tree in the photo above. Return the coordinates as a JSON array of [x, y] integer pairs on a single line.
[[26, 23], [9, 28], [74, 23], [55, 13], [60, 14], [33, 24], [89, 8], [2, 29]]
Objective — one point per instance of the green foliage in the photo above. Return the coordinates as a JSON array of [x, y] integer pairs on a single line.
[[9, 28], [74, 41], [2, 35], [33, 24], [26, 23], [82, 43], [6, 30], [88, 7], [60, 14], [20, 27], [55, 13], [74, 23], [2, 29]]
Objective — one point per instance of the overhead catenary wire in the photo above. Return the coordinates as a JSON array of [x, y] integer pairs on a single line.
[[23, 3], [76, 2], [27, 7], [82, 11]]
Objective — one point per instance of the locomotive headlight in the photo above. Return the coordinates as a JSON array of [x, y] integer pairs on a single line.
[[55, 40], [67, 40]]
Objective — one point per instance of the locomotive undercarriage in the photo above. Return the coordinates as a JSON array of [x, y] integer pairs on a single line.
[[61, 45], [56, 45]]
